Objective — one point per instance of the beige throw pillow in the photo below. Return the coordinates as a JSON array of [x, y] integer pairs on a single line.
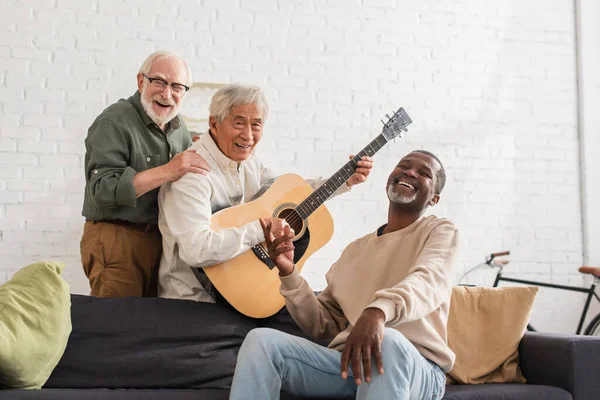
[[485, 327]]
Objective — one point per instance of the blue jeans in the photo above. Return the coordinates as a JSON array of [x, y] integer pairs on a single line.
[[270, 360]]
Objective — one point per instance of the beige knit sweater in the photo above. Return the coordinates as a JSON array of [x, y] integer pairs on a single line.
[[407, 274]]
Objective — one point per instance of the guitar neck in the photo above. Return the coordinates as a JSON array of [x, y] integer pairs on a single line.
[[331, 185]]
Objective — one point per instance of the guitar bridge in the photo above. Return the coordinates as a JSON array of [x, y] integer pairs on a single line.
[[263, 256]]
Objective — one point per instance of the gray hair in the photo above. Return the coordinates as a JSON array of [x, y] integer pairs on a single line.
[[147, 64], [234, 95]]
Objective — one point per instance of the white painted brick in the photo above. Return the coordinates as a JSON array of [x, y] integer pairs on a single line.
[[73, 173], [76, 124], [116, 7], [11, 225], [71, 148], [59, 160], [87, 95], [91, 43], [15, 39], [40, 94], [17, 159], [42, 172], [8, 145], [10, 172], [16, 13], [39, 4], [42, 198], [4, 52], [10, 197], [23, 106], [51, 250], [157, 34], [68, 56], [64, 108], [25, 211], [60, 237], [69, 185], [27, 185], [55, 16], [65, 81], [20, 237], [30, 53], [63, 212], [47, 122], [10, 250], [76, 4], [20, 132], [24, 79], [59, 134]]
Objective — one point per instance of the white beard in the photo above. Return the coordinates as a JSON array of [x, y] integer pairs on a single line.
[[147, 106], [398, 198]]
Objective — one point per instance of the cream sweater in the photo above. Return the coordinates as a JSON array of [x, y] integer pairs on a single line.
[[407, 274]]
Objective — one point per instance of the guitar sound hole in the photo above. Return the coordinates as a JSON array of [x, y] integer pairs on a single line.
[[294, 219]]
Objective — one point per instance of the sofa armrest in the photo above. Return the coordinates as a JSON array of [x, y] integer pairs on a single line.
[[566, 361]]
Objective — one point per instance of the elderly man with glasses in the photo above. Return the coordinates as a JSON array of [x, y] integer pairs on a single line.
[[134, 146]]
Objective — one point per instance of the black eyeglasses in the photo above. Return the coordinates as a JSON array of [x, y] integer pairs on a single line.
[[178, 89]]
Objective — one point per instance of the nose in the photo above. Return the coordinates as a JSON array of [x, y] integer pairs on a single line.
[[410, 172], [167, 92], [246, 132]]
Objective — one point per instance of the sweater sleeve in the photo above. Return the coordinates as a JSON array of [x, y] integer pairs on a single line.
[[319, 316], [429, 282]]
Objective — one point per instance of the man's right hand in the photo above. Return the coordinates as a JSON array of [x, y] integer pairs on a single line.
[[278, 236], [184, 162]]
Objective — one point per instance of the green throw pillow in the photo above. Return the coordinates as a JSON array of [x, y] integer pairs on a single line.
[[35, 323]]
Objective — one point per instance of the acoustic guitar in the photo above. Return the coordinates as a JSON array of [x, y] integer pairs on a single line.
[[250, 281]]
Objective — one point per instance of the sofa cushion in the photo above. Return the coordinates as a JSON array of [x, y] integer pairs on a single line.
[[485, 327], [500, 391], [139, 342], [35, 323], [458, 392]]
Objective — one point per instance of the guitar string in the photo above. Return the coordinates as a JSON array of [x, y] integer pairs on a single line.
[[300, 208], [306, 209]]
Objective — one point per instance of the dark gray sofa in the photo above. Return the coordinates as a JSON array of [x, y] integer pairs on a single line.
[[137, 348]]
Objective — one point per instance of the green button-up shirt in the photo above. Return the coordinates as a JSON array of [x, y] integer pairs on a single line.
[[121, 142]]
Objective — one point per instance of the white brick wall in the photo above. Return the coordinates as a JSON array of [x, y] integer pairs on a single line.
[[491, 87]]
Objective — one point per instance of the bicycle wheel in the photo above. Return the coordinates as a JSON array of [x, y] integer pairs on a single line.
[[593, 328]]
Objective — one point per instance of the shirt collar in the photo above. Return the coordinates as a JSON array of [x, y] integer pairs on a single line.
[[221, 159], [136, 100]]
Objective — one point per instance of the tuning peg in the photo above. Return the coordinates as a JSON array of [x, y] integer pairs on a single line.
[[383, 122], [387, 116]]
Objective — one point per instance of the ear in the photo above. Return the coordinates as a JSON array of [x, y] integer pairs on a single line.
[[434, 200], [212, 123], [140, 82]]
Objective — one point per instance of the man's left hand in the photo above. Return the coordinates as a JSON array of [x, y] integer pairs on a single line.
[[362, 171], [364, 343]]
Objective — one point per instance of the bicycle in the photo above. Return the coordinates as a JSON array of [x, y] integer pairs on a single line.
[[592, 329]]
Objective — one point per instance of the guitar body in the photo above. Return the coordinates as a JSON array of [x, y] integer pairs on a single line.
[[248, 283]]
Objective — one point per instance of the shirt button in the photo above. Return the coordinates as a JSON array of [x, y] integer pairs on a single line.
[[148, 159], [170, 155], [96, 172]]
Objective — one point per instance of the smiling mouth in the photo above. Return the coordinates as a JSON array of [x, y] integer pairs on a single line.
[[408, 185], [242, 146], [162, 105]]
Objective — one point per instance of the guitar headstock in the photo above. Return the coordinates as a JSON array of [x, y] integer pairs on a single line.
[[396, 124]]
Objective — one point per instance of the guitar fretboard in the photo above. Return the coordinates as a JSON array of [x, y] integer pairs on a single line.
[[326, 190]]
